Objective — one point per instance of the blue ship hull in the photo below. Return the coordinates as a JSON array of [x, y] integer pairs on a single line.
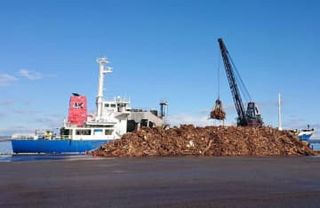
[[305, 137], [55, 146]]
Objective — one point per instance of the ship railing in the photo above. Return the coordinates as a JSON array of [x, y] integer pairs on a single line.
[[64, 136], [117, 99]]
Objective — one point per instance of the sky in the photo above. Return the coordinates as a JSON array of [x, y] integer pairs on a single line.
[[159, 49]]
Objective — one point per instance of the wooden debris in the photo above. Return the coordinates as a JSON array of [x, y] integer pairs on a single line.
[[217, 112], [209, 141]]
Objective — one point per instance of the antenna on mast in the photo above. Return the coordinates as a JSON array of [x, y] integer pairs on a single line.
[[103, 69]]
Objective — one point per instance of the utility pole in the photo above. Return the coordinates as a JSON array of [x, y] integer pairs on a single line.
[[279, 113]]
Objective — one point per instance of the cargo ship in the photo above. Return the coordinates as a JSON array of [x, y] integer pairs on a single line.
[[82, 132], [305, 134]]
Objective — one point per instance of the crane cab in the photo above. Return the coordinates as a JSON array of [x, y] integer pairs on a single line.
[[253, 116]]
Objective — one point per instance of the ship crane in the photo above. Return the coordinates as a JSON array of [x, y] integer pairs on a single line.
[[251, 116]]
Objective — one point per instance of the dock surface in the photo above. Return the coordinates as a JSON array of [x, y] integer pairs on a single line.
[[162, 182]]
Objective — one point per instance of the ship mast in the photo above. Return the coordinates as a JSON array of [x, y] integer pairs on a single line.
[[103, 69]]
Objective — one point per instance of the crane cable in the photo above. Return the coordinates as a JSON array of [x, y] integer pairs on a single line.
[[218, 76], [242, 86]]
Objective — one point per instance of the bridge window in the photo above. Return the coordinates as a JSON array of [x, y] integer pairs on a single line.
[[83, 132], [98, 132], [65, 133], [108, 131]]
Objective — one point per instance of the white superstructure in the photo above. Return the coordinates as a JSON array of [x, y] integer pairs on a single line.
[[112, 116], [110, 119]]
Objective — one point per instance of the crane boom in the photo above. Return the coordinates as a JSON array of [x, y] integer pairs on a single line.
[[251, 116], [232, 83]]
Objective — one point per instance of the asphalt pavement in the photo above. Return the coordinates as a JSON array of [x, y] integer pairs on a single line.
[[162, 182]]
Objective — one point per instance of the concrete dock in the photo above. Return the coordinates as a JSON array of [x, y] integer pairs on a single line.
[[162, 182]]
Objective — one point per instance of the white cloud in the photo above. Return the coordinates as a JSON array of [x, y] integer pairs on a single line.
[[25, 111], [7, 79], [297, 123], [200, 118], [6, 102], [8, 131], [31, 75], [50, 122], [34, 121]]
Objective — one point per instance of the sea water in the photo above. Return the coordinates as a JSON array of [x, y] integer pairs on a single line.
[[5, 148], [315, 145]]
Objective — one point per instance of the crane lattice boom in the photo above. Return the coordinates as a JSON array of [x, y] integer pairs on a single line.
[[251, 116]]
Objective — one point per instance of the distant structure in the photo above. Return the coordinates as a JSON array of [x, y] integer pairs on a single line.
[[147, 118], [163, 108], [279, 113]]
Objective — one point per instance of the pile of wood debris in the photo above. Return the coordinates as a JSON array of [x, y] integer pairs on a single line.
[[208, 141]]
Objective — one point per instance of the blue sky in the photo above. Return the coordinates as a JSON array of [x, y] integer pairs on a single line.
[[158, 49]]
